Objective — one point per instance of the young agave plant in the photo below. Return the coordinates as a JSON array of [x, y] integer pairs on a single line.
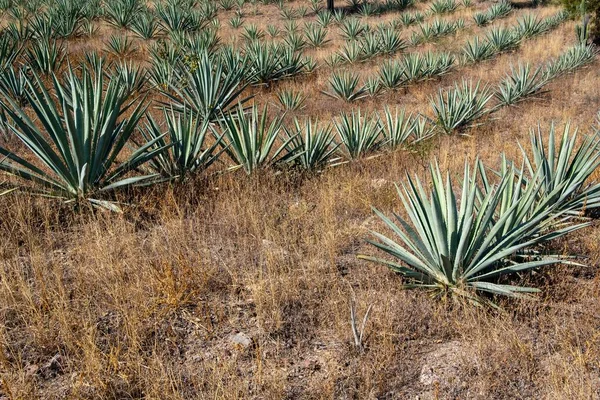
[[390, 41], [145, 26], [45, 56], [350, 53], [452, 247], [13, 84], [570, 60], [209, 91], [443, 6], [121, 13], [119, 46], [520, 84], [475, 51], [186, 143], [250, 139], [530, 25], [344, 86], [77, 139], [311, 146], [290, 100], [359, 136], [391, 75], [401, 130], [459, 107], [315, 34], [236, 21], [352, 28], [502, 39]]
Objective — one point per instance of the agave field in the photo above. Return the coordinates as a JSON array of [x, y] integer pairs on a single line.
[[234, 198]]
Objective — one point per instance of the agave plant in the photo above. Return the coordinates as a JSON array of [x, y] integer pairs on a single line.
[[502, 39], [475, 51], [315, 34], [290, 100], [311, 146], [175, 18], [443, 6], [10, 50], [573, 58], [390, 41], [359, 136], [530, 25], [132, 77], [236, 21], [391, 75], [459, 107], [499, 10], [370, 45], [520, 84], [401, 130], [186, 143], [566, 170], [145, 26], [209, 91], [13, 84], [121, 13], [271, 62], [294, 41], [482, 18], [46, 56], [451, 246], [324, 18], [250, 139], [436, 29], [372, 86], [352, 28], [119, 46], [350, 53], [77, 139], [344, 86], [251, 33]]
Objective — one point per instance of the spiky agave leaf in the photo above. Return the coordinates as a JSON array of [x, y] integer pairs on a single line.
[[451, 245], [77, 138]]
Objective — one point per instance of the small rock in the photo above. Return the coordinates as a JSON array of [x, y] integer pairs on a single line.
[[31, 370], [241, 339], [378, 183]]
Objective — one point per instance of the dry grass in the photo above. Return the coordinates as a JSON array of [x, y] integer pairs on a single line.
[[144, 304]]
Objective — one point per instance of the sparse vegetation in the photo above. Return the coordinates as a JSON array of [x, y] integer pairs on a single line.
[[186, 187]]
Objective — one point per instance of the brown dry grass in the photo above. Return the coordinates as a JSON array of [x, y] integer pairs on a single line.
[[142, 305]]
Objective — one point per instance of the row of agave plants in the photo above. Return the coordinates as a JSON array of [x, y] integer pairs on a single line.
[[416, 67], [63, 19], [465, 240], [82, 131]]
